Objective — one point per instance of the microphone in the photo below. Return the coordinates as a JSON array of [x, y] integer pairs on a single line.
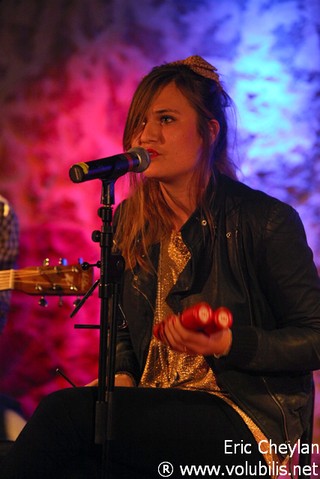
[[110, 168]]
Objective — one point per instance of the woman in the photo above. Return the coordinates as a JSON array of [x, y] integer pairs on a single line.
[[230, 400]]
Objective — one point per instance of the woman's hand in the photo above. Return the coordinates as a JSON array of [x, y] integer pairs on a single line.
[[183, 340], [120, 379], [93, 383], [123, 380]]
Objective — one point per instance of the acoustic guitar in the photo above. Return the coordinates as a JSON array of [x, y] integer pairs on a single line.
[[58, 280]]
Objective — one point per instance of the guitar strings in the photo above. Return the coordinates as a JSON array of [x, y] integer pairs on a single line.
[[9, 277]]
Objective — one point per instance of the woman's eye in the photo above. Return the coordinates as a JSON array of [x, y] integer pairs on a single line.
[[166, 119]]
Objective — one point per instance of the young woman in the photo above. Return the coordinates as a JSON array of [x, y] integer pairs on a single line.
[[230, 400]]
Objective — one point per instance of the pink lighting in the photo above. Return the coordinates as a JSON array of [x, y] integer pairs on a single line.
[[66, 82]]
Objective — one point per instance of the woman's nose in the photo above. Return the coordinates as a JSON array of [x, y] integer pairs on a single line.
[[150, 133]]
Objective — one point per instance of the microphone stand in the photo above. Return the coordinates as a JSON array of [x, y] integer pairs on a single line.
[[111, 271]]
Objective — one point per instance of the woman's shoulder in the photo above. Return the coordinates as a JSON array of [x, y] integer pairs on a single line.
[[258, 207], [241, 193]]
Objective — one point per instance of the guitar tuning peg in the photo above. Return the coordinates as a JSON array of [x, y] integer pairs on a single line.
[[43, 302], [76, 302], [63, 261], [60, 304], [46, 262]]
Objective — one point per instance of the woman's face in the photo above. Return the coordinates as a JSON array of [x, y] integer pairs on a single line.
[[171, 136]]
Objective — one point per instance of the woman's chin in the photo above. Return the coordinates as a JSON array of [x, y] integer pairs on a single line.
[[152, 173]]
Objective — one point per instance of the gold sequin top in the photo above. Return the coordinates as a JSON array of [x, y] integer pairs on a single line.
[[166, 368]]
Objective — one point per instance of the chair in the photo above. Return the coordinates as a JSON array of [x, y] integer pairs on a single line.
[[5, 447], [305, 459]]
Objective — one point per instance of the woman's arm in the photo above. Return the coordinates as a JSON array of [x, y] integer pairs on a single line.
[[291, 287], [290, 284]]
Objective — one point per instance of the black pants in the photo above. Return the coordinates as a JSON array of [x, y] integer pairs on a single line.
[[154, 432]]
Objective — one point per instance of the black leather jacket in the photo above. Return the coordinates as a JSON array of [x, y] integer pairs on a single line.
[[260, 266]]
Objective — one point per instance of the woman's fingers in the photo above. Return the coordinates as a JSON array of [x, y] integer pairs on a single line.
[[173, 334]]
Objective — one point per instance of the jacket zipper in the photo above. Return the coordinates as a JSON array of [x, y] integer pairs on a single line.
[[284, 421], [153, 312], [142, 293], [275, 400]]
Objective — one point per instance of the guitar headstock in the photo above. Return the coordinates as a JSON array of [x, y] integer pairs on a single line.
[[61, 280]]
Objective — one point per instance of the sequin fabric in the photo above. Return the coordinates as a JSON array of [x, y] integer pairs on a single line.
[[169, 369], [166, 368]]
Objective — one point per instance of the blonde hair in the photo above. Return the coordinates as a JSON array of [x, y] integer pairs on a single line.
[[145, 217]]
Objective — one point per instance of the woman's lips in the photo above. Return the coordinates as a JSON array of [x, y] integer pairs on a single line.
[[152, 153]]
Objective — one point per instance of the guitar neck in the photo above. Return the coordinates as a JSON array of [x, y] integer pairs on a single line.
[[48, 280], [7, 279]]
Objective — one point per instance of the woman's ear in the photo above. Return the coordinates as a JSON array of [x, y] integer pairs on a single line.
[[214, 128]]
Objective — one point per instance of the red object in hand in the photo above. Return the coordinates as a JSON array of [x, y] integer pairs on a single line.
[[201, 317]]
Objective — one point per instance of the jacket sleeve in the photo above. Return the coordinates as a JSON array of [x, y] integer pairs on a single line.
[[291, 286], [126, 360]]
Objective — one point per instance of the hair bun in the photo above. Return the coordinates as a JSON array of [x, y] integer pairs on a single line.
[[201, 67]]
